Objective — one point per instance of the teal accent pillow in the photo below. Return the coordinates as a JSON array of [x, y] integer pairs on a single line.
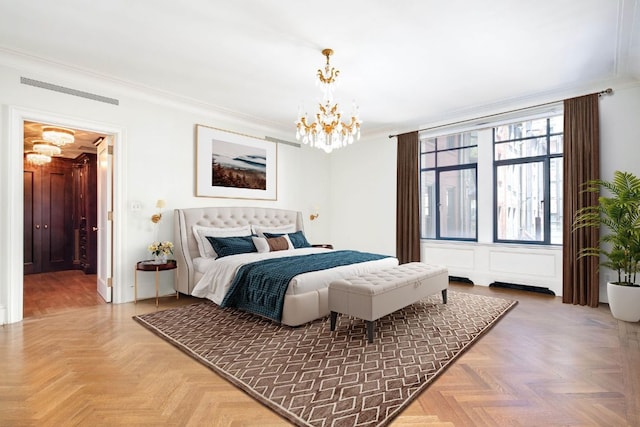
[[297, 239], [225, 246]]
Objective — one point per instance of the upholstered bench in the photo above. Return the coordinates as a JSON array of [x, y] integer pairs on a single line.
[[371, 296]]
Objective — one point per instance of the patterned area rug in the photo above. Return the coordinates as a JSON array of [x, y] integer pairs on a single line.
[[315, 377]]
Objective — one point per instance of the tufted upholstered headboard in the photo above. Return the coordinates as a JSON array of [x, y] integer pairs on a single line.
[[186, 248]]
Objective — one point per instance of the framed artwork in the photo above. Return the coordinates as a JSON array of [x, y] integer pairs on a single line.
[[233, 165]]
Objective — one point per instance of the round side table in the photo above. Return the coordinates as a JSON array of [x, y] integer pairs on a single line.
[[149, 265]]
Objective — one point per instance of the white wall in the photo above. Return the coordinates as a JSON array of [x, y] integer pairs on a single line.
[[156, 154], [620, 132], [363, 196], [619, 144]]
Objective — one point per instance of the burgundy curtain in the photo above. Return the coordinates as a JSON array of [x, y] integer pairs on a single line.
[[408, 199], [580, 280]]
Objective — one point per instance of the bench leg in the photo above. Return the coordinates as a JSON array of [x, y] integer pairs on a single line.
[[370, 331], [334, 317], [444, 296]]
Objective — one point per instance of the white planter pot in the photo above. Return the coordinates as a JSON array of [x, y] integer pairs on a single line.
[[624, 302]]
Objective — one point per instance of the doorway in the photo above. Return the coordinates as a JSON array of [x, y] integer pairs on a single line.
[[60, 220], [13, 228]]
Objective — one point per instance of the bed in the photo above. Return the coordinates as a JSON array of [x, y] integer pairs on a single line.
[[306, 296]]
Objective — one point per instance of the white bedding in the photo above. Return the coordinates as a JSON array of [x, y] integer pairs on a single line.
[[218, 274]]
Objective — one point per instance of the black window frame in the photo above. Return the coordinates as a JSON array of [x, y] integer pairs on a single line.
[[437, 171], [545, 159]]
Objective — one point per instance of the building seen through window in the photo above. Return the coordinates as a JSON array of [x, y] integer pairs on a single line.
[[521, 160], [448, 181], [528, 181]]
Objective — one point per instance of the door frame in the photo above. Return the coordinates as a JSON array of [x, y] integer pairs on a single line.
[[12, 244]]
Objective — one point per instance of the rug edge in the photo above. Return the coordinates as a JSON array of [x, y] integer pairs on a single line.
[[263, 400], [446, 366]]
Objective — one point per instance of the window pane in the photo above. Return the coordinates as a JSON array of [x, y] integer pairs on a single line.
[[428, 205], [557, 124], [427, 145], [461, 156], [556, 144], [458, 204], [428, 160], [520, 130], [555, 205], [520, 149], [458, 140], [520, 202]]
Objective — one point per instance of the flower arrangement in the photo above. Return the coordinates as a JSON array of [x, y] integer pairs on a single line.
[[158, 249]]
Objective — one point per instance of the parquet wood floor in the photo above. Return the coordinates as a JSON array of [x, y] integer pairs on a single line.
[[61, 290], [544, 364]]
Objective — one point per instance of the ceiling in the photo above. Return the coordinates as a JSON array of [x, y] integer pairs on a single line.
[[405, 63]]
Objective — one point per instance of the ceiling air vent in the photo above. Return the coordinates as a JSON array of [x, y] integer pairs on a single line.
[[68, 91]]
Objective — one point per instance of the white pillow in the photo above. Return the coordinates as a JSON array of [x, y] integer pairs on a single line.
[[281, 229], [201, 232], [262, 245]]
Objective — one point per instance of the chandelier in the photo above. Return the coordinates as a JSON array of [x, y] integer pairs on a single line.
[[38, 159], [57, 135], [45, 147], [328, 131]]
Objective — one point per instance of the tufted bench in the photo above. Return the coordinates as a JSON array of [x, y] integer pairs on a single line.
[[373, 295]]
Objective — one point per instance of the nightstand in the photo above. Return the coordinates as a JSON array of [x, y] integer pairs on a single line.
[[325, 245], [148, 265]]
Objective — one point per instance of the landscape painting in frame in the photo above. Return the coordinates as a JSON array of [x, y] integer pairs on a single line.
[[235, 166]]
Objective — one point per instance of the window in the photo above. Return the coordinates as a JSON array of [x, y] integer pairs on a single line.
[[448, 187], [528, 181]]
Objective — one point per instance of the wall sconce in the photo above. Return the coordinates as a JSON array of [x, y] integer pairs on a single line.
[[315, 213], [156, 217]]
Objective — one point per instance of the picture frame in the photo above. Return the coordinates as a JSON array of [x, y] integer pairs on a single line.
[[233, 165]]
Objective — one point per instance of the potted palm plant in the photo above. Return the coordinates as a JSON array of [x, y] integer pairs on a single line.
[[619, 245]]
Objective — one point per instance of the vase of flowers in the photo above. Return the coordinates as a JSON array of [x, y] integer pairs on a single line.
[[160, 251]]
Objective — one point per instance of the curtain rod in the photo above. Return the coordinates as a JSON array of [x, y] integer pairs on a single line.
[[607, 91]]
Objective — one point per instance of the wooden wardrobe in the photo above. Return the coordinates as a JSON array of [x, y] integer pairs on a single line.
[[59, 215]]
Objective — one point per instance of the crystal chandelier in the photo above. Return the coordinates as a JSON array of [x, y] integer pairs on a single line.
[[57, 135], [46, 148], [38, 159], [328, 131]]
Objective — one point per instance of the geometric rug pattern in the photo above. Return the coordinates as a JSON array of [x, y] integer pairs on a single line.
[[315, 377]]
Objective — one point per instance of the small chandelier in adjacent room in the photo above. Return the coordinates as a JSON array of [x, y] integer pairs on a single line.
[[328, 131], [45, 147], [37, 159], [57, 135]]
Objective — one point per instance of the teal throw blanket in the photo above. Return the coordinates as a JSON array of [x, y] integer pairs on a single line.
[[259, 287]]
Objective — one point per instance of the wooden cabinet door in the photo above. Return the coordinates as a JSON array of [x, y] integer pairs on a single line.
[[48, 226], [57, 217], [86, 204], [32, 220]]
